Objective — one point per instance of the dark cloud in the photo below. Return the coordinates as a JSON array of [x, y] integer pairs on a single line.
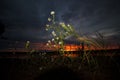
[[26, 19]]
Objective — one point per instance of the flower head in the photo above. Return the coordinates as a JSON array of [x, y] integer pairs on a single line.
[[28, 42], [54, 45], [49, 41], [61, 49], [68, 25], [53, 33], [47, 44], [46, 29], [57, 38], [62, 23], [52, 39], [27, 45], [60, 43], [49, 19], [52, 12], [47, 25]]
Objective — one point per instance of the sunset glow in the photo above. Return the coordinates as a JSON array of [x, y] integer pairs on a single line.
[[71, 47], [44, 47]]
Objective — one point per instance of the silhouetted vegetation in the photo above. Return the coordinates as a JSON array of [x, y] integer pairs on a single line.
[[2, 30]]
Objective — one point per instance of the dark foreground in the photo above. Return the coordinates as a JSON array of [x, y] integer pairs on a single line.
[[58, 68]]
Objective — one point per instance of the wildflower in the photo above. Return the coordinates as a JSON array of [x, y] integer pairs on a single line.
[[53, 33], [52, 39], [60, 43], [49, 19], [52, 12], [27, 44], [46, 29], [61, 50], [57, 38], [47, 44], [62, 24], [66, 32], [68, 25], [47, 25], [49, 41], [54, 45]]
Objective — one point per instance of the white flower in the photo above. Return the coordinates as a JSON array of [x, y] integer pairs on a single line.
[[52, 39], [49, 19], [54, 45], [57, 38], [66, 32], [49, 41], [60, 43], [61, 50], [46, 29], [47, 44], [68, 25], [53, 33], [47, 25], [52, 12], [28, 42], [62, 24]]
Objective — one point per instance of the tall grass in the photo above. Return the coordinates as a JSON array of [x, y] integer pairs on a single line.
[[59, 32]]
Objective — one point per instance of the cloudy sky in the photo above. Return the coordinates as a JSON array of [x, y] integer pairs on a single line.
[[26, 19]]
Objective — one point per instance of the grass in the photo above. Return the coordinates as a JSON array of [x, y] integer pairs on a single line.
[[40, 63], [87, 63]]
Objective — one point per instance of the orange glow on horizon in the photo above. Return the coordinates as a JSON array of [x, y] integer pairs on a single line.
[[71, 47], [67, 47]]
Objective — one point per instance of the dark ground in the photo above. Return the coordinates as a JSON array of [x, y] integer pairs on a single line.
[[37, 69]]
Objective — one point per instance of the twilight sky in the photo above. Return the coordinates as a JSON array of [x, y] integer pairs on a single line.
[[26, 19]]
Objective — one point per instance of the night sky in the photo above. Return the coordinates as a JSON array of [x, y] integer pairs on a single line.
[[26, 19]]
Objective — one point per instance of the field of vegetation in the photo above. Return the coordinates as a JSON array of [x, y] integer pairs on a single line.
[[99, 64], [45, 66]]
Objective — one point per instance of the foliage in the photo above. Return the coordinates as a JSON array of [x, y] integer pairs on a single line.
[[59, 33]]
